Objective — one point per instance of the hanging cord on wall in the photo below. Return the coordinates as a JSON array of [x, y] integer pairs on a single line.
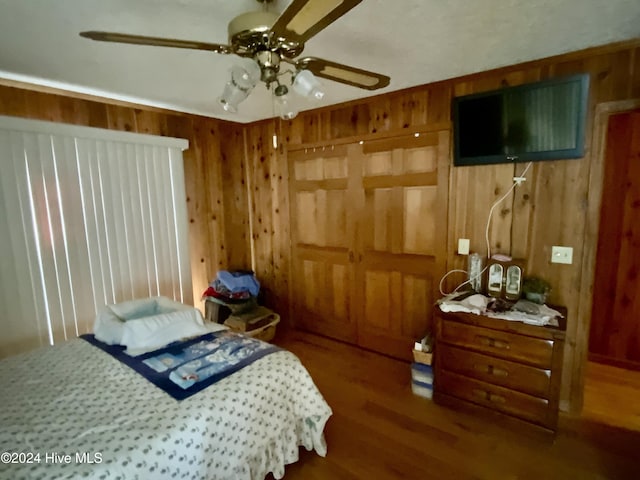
[[517, 180]]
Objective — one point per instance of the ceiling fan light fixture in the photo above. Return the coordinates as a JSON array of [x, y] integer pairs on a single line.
[[247, 75], [282, 103], [280, 90], [263, 40], [307, 85], [231, 97], [269, 64], [244, 78]]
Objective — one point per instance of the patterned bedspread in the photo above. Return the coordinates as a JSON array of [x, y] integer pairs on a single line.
[[73, 411], [185, 368]]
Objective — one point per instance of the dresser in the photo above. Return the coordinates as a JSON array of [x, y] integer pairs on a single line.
[[500, 367]]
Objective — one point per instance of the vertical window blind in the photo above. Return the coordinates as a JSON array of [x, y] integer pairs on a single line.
[[88, 217]]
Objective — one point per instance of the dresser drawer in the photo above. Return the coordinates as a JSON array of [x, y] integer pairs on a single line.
[[515, 376], [521, 405], [510, 346]]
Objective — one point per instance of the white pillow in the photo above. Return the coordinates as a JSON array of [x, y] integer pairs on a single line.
[[140, 348], [111, 319], [150, 333], [138, 308], [108, 326]]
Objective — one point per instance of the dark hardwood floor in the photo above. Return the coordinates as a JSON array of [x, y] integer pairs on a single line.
[[380, 430]]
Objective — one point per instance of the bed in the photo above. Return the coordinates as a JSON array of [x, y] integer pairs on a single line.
[[74, 411]]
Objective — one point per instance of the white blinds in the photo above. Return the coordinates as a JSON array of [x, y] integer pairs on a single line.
[[87, 217]]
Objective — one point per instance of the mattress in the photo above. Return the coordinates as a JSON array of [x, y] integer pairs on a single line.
[[73, 411]]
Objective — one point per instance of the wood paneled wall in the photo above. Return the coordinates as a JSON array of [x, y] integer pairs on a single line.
[[237, 181], [551, 208]]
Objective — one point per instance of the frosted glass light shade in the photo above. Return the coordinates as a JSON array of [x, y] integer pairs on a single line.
[[307, 85], [244, 78], [246, 75], [232, 96], [284, 107]]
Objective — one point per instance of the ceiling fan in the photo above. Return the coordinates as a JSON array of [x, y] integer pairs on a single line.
[[268, 40]]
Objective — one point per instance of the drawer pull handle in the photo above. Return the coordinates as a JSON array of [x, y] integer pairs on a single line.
[[498, 372], [491, 370], [492, 342], [483, 394], [492, 397], [488, 396]]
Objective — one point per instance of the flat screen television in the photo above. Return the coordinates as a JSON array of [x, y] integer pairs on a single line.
[[532, 122]]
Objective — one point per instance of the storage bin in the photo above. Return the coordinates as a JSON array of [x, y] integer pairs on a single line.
[[422, 373], [215, 311], [266, 332]]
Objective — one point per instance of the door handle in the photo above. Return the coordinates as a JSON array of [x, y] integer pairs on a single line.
[[351, 257]]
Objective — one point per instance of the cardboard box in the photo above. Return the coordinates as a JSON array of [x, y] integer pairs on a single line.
[[422, 357]]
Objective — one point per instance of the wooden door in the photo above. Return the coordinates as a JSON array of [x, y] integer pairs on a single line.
[[615, 321], [369, 239], [402, 240], [323, 229]]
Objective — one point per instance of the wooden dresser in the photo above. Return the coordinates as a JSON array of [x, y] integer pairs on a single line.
[[504, 367]]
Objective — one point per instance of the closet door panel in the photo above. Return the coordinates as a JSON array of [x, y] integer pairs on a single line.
[[401, 240], [369, 239], [322, 234]]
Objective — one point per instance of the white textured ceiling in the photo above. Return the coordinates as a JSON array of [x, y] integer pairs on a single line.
[[413, 41]]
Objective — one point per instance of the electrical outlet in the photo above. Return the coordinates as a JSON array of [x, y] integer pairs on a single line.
[[562, 255], [463, 246]]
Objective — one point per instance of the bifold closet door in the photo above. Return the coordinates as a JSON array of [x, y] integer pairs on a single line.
[[402, 240], [369, 239], [323, 231]]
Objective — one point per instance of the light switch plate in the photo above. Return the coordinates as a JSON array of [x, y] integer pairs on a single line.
[[562, 255], [463, 246]]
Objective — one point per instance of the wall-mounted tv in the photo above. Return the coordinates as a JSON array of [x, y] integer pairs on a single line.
[[532, 122]]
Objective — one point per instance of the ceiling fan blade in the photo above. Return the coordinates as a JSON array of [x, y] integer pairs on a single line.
[[154, 41], [304, 18], [343, 73]]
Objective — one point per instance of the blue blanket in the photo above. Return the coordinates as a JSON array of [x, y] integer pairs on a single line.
[[184, 368]]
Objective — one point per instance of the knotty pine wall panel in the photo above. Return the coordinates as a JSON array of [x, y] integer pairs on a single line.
[[208, 233], [205, 194], [281, 223], [268, 186], [549, 209], [237, 247], [260, 153], [552, 210]]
